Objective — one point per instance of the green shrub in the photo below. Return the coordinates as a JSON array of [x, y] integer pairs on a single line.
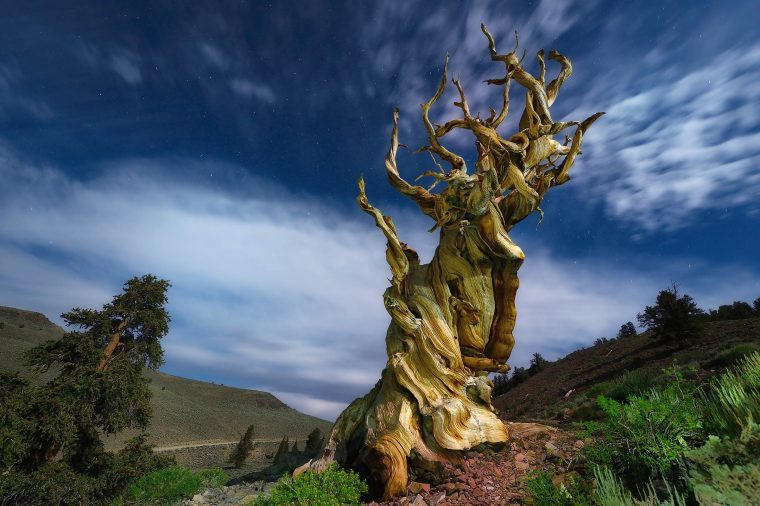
[[172, 484], [733, 399], [543, 492], [725, 471], [332, 487], [610, 492], [632, 383], [651, 432], [731, 356]]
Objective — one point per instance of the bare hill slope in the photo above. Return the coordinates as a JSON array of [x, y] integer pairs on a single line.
[[185, 411]]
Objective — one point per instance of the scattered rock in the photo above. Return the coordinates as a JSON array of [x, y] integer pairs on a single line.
[[416, 487]]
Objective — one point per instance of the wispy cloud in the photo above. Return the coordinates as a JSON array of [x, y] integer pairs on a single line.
[[276, 291], [214, 56], [122, 61], [250, 89], [674, 145], [411, 49], [14, 100], [127, 65]]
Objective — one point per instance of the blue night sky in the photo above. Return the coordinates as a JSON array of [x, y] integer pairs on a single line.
[[218, 144]]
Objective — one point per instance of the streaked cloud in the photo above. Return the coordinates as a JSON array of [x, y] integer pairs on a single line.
[[13, 98], [127, 65], [250, 89], [683, 144]]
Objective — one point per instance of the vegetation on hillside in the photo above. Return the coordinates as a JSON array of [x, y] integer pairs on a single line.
[[51, 430], [680, 437]]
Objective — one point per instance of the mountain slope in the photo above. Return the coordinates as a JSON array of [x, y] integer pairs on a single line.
[[184, 411], [564, 385]]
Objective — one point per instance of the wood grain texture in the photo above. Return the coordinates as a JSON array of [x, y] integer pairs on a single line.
[[452, 319]]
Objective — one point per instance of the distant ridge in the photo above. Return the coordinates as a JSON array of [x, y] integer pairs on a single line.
[[185, 411]]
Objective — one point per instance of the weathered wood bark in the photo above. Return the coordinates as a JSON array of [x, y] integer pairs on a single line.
[[452, 319]]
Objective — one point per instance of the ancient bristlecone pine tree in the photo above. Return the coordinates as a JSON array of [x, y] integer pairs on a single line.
[[452, 319]]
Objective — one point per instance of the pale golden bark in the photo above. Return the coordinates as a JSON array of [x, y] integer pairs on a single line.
[[452, 319]]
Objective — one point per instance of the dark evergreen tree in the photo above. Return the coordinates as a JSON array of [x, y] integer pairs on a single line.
[[672, 317], [737, 311], [537, 364], [314, 442], [98, 388], [282, 451], [756, 306], [243, 449], [627, 330]]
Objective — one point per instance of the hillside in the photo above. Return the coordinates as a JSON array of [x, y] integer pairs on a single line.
[[563, 388], [185, 411]]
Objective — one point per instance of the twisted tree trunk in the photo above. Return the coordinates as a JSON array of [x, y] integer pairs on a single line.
[[452, 319]]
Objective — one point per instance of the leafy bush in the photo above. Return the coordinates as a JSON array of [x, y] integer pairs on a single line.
[[731, 356], [632, 383], [733, 399], [726, 471], [650, 433], [610, 492], [331, 487], [172, 484], [543, 491]]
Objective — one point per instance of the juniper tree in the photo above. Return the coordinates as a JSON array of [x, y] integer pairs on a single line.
[[672, 316], [626, 330], [98, 385]]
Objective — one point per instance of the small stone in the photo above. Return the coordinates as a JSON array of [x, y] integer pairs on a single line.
[[551, 449], [437, 499], [249, 498], [416, 487], [579, 444], [419, 501]]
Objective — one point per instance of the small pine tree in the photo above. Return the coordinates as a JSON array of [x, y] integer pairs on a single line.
[[627, 330], [243, 449], [295, 449], [756, 306], [672, 317], [282, 450], [537, 364], [314, 442]]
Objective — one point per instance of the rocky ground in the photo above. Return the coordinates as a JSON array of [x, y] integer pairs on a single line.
[[240, 494], [497, 478]]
